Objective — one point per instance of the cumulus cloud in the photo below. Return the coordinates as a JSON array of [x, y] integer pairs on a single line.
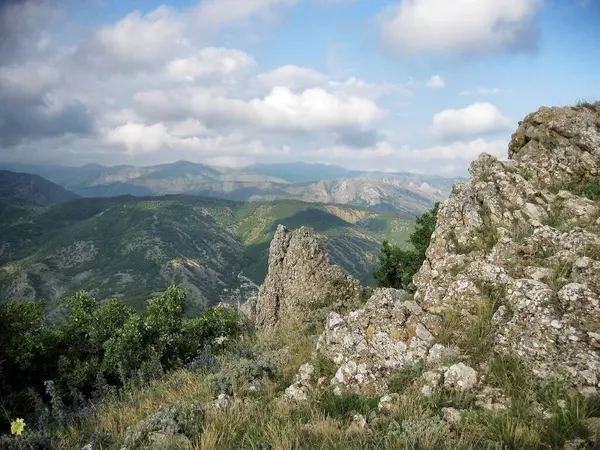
[[153, 87], [436, 82], [210, 62], [461, 26], [292, 77], [282, 109], [137, 39], [478, 118]]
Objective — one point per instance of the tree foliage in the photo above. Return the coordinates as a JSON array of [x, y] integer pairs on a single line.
[[398, 266], [108, 341]]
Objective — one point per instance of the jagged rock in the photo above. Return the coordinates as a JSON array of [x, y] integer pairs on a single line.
[[460, 377], [521, 225], [300, 280], [518, 245], [384, 335]]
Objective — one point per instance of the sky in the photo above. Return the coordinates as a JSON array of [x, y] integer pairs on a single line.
[[392, 85]]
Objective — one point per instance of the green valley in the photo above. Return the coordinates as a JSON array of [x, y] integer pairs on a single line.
[[133, 247]]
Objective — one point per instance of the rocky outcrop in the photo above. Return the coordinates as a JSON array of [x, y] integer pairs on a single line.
[[388, 333], [302, 282], [515, 258], [523, 229]]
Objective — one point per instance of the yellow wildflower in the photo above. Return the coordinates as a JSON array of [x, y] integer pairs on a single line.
[[17, 427]]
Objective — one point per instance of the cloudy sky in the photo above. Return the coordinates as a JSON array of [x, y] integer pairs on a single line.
[[399, 85]]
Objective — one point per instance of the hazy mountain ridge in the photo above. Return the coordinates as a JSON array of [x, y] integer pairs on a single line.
[[405, 192], [32, 189]]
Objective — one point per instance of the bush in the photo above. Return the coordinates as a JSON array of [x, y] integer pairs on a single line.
[[398, 266], [96, 348]]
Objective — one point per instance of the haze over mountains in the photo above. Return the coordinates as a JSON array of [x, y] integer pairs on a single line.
[[404, 192]]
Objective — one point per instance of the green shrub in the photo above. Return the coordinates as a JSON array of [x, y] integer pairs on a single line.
[[398, 266], [98, 347]]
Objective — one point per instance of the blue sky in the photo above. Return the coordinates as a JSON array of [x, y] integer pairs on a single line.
[[419, 85]]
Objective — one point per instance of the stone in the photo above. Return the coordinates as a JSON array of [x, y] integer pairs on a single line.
[[431, 380], [460, 377], [370, 343], [221, 402], [358, 425], [297, 391], [593, 426], [387, 402], [300, 279], [160, 440], [451, 415]]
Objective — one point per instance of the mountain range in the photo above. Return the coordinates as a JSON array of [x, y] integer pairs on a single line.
[[404, 192], [132, 247]]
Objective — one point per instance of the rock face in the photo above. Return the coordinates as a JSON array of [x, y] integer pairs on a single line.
[[516, 250], [371, 342], [301, 281], [524, 229]]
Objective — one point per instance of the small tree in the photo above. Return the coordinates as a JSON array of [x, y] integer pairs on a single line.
[[397, 266]]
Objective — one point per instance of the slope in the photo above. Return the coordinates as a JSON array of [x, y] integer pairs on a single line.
[[32, 189], [130, 247]]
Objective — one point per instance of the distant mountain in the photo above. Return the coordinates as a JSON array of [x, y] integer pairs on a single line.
[[131, 247], [405, 192], [32, 189], [301, 172]]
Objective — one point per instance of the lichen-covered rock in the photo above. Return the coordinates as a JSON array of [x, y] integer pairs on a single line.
[[524, 228], [513, 267], [301, 280], [303, 384], [460, 377], [386, 334]]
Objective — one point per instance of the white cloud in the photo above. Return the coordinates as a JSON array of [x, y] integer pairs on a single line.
[[280, 110], [478, 118], [360, 88], [210, 62], [138, 39], [138, 138], [292, 77], [480, 91], [436, 82], [452, 159], [460, 26], [214, 14]]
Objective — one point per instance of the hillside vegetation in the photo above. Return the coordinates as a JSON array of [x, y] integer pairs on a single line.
[[133, 247]]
